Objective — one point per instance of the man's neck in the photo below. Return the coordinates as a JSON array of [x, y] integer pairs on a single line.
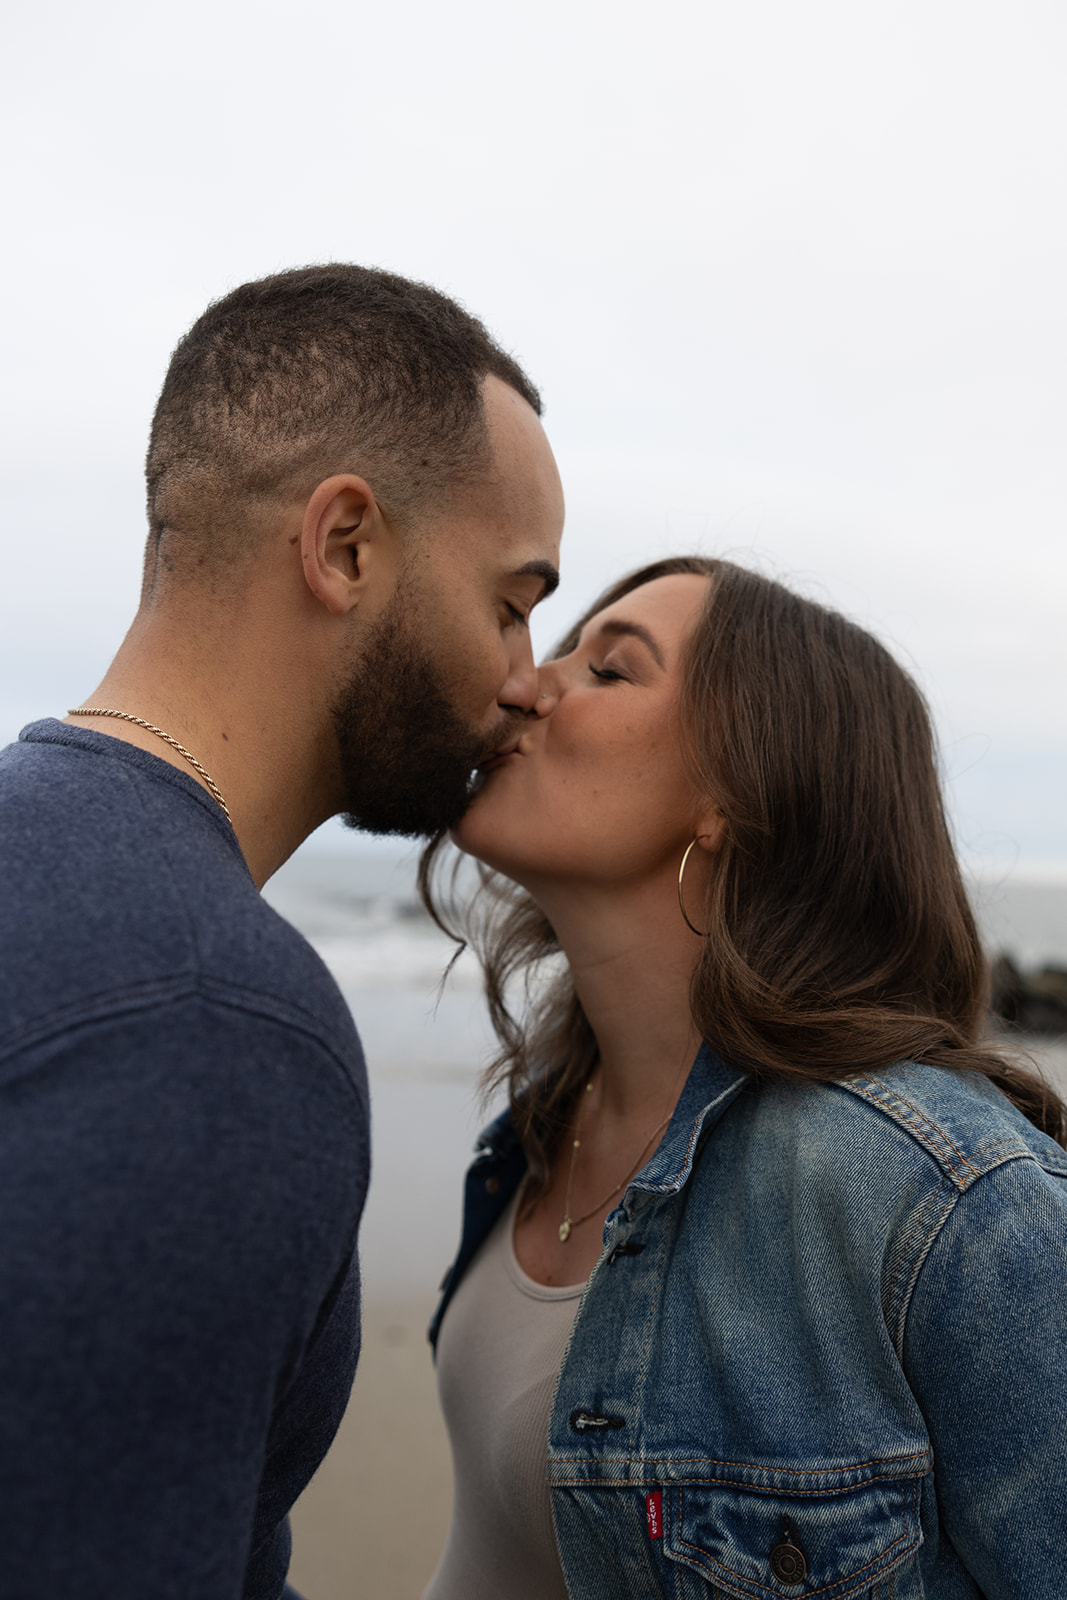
[[235, 703]]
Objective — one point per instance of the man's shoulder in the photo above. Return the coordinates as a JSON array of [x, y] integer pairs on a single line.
[[124, 889]]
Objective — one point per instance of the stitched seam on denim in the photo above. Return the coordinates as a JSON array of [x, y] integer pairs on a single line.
[[920, 1261], [859, 1085], [729, 1483], [142, 997], [674, 1182], [895, 1314], [1004, 1141], [918, 1456], [651, 1329], [998, 1151], [929, 1122]]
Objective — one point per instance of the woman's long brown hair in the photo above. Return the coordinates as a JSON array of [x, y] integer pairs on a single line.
[[838, 934]]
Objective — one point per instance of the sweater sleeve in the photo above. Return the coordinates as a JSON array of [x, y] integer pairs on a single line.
[[180, 1188], [986, 1355]]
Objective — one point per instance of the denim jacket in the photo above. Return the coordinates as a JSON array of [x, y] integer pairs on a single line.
[[824, 1350]]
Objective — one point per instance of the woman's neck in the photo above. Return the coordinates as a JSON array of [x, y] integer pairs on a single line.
[[631, 958]]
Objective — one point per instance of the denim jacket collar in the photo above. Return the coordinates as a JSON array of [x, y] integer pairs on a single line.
[[499, 1165], [710, 1087], [708, 1090]]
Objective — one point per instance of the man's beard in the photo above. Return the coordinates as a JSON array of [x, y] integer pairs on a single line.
[[406, 755]]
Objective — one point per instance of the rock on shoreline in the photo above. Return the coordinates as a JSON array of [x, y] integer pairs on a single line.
[[1034, 1002]]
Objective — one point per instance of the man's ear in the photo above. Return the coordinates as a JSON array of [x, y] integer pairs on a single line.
[[346, 545]]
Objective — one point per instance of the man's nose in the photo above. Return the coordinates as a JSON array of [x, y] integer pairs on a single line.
[[519, 692]]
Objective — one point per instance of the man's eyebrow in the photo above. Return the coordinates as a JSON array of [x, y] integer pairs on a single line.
[[544, 570], [634, 630]]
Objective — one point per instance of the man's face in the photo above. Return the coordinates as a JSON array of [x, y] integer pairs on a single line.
[[447, 673]]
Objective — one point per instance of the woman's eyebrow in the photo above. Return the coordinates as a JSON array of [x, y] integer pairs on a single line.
[[634, 630]]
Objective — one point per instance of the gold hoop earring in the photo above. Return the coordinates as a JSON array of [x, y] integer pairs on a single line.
[[681, 902]]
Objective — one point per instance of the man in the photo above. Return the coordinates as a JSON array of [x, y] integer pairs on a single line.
[[353, 510]]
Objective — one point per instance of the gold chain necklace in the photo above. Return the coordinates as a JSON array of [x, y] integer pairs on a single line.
[[569, 1223], [150, 727]]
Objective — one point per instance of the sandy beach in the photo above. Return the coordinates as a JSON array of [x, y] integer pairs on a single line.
[[373, 1522]]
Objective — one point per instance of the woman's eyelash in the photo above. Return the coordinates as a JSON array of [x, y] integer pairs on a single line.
[[519, 616], [605, 674]]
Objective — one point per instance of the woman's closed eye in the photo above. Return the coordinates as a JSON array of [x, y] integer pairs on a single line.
[[606, 675]]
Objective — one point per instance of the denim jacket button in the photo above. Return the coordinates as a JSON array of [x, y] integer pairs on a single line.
[[492, 1185], [788, 1564]]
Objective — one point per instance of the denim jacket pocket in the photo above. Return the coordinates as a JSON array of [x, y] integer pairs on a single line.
[[752, 1544]]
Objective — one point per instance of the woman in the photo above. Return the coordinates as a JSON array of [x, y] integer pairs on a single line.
[[762, 1288]]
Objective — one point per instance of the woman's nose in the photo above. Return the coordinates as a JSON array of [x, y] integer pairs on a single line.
[[547, 696]]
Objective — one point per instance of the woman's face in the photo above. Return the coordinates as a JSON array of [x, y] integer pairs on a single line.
[[596, 790]]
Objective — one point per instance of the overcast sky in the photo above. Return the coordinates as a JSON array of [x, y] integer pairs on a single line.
[[791, 277]]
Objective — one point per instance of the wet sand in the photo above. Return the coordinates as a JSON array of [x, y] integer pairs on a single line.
[[372, 1523]]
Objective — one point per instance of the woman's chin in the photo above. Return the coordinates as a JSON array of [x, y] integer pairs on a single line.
[[476, 842], [471, 833], [476, 837]]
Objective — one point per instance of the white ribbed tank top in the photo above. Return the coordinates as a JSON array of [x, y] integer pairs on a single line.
[[499, 1350]]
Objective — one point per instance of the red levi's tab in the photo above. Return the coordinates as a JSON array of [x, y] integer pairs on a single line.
[[654, 1511]]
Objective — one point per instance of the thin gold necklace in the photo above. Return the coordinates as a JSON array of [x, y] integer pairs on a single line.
[[569, 1223], [150, 727]]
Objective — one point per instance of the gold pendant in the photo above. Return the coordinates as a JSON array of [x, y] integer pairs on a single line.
[[565, 1230]]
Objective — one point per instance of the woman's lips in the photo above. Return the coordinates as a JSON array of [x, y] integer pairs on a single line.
[[484, 768], [499, 759]]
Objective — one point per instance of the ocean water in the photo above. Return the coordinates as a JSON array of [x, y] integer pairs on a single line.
[[362, 913], [425, 1048], [358, 905], [427, 1045]]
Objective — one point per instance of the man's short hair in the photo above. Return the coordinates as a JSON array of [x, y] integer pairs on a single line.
[[308, 373]]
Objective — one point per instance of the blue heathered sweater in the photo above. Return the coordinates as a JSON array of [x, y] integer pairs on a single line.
[[183, 1163]]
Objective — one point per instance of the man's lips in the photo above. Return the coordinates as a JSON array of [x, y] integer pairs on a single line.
[[501, 755]]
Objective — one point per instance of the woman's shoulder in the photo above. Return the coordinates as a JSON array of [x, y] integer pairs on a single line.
[[913, 1113], [868, 1170]]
